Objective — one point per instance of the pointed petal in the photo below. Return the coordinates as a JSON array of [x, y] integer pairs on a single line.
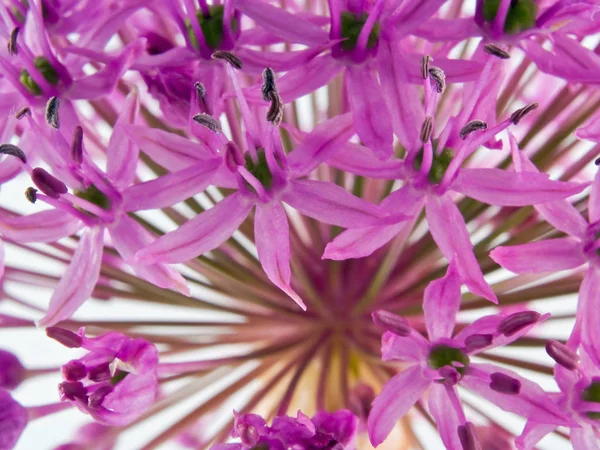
[[171, 188], [591, 130], [549, 255], [584, 438], [199, 235], [271, 231], [121, 153], [78, 281], [129, 237], [359, 160], [448, 30], [532, 434], [320, 144], [44, 226], [413, 348], [588, 313], [446, 418], [449, 231], [256, 61], [504, 188], [530, 402], [441, 304], [396, 398], [282, 23], [594, 201], [331, 204], [369, 110]]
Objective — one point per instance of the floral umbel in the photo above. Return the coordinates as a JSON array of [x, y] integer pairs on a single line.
[[310, 225]]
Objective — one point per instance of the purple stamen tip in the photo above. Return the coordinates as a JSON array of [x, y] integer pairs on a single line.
[[516, 322], [74, 370], [467, 436], [391, 322], [100, 373], [65, 337], [504, 384], [477, 341], [98, 396], [562, 354], [47, 183], [70, 390], [77, 145]]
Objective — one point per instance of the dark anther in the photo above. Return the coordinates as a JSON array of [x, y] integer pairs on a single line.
[[391, 322], [425, 62], [31, 194], [516, 117], [494, 50], [13, 150], [477, 341], [504, 384], [426, 129], [597, 162], [439, 77], [275, 113], [235, 62], [473, 125], [467, 436], [65, 337], [52, 112], [562, 354], [77, 145], [208, 121], [47, 183], [268, 85], [24, 111], [200, 89], [12, 41], [517, 321]]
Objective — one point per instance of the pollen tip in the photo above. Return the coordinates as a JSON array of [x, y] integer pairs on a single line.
[[470, 127], [275, 112], [52, 112], [24, 111], [228, 57], [494, 50], [439, 77], [12, 41], [208, 121], [268, 85], [426, 129], [426, 61], [13, 150], [31, 194], [516, 116]]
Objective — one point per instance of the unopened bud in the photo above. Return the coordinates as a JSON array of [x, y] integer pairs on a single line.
[[73, 370], [391, 322], [47, 183]]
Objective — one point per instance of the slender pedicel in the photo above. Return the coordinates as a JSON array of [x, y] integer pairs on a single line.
[[52, 112], [473, 125], [235, 62], [494, 50]]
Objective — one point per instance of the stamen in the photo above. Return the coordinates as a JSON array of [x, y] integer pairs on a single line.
[[235, 62], [24, 111], [77, 145], [208, 121], [268, 85], [100, 373], [597, 161], [467, 436], [13, 150], [52, 112], [65, 337], [391, 322], [97, 397], [233, 157], [31, 194], [473, 125], [47, 183], [516, 117], [74, 370], [275, 113], [425, 63], [426, 129], [72, 390], [12, 41], [494, 50], [562, 354], [477, 341], [504, 384], [439, 77], [517, 321], [200, 89]]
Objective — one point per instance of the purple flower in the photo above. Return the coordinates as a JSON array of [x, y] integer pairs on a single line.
[[115, 382], [12, 372], [439, 363], [13, 419], [89, 435]]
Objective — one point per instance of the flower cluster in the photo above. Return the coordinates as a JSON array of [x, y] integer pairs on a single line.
[[353, 209]]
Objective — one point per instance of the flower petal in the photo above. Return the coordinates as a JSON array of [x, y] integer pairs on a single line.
[[504, 188], [44, 226], [584, 438], [271, 232], [550, 255], [448, 30], [441, 304], [449, 231], [255, 61], [396, 398], [369, 110], [199, 235], [588, 314], [594, 201], [359, 160], [404, 348], [532, 434], [446, 417], [78, 281]]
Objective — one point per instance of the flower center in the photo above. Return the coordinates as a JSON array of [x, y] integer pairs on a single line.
[[352, 25], [93, 195], [211, 26], [439, 164], [442, 355], [47, 71], [260, 169], [592, 394], [520, 17]]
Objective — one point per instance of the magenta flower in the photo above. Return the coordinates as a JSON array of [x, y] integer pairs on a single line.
[[115, 382], [13, 420], [439, 363], [90, 435], [334, 431], [12, 372]]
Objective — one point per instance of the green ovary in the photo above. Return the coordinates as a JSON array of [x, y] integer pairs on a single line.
[[592, 394], [520, 17], [45, 68], [439, 164], [260, 170], [211, 26], [442, 355], [93, 195], [351, 26]]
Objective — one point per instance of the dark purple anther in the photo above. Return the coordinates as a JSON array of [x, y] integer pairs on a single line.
[[426, 129], [31, 194], [439, 77], [516, 322], [233, 60], [425, 63], [65, 337], [477, 341], [467, 436], [268, 85], [391, 322], [516, 117], [100, 373], [208, 121], [12, 371], [562, 354], [47, 183], [504, 384], [13, 150], [74, 370], [77, 145], [52, 112], [494, 50], [70, 390], [450, 375], [97, 397], [12, 41]]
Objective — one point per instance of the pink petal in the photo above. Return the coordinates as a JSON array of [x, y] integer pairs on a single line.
[[256, 61], [44, 226], [121, 153], [441, 304], [449, 231], [199, 235], [591, 130], [448, 30], [171, 188], [588, 313], [359, 160], [594, 201], [504, 188], [446, 417], [370, 113], [129, 237], [532, 434], [584, 438], [404, 348], [549, 255], [412, 13], [396, 398], [271, 231], [329, 203], [78, 281], [563, 216], [282, 23]]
